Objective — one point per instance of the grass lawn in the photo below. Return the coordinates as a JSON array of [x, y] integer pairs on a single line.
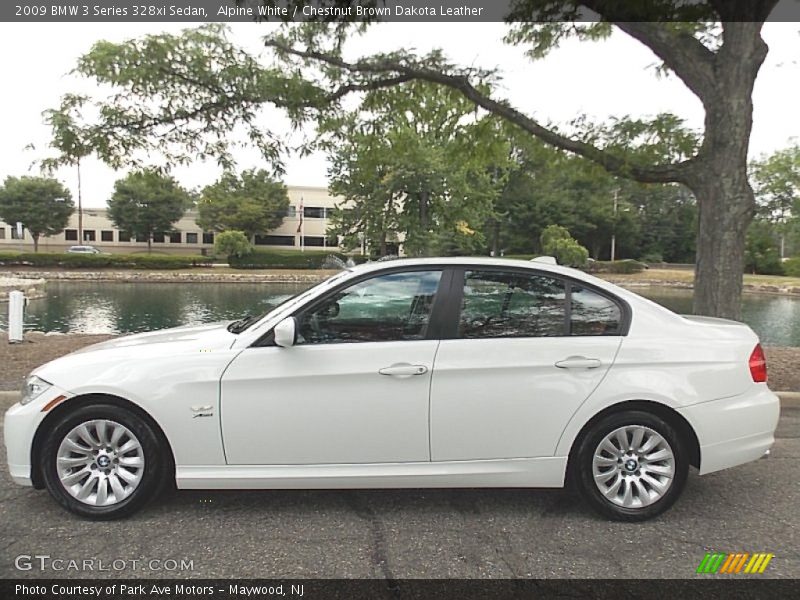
[[687, 276]]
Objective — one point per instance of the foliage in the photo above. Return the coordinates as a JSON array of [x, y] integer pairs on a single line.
[[556, 241], [147, 202], [762, 255], [791, 267], [776, 180], [286, 259], [41, 204], [232, 243], [100, 261], [251, 202], [413, 163]]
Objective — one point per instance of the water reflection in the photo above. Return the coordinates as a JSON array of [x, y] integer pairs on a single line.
[[84, 307]]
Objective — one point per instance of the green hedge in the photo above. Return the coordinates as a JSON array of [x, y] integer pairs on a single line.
[[102, 261], [791, 267], [620, 267], [287, 259]]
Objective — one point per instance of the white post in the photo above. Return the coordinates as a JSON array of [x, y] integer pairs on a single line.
[[16, 316]]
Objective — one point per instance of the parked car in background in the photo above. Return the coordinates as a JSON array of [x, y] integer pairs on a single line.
[[440, 372], [83, 250]]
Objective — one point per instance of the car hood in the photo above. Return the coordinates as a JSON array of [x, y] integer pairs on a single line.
[[156, 349], [214, 335]]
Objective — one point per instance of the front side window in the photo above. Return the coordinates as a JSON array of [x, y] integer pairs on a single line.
[[592, 313], [391, 307], [503, 304]]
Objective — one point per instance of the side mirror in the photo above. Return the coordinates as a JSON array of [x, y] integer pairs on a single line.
[[285, 333]]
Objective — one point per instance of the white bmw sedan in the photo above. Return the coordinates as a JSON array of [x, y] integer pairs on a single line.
[[445, 372]]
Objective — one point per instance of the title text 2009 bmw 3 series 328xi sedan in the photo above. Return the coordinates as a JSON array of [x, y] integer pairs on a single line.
[[412, 373]]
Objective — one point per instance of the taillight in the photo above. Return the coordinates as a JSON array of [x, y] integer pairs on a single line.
[[758, 365]]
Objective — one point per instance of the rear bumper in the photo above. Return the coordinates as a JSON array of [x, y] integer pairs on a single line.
[[733, 431]]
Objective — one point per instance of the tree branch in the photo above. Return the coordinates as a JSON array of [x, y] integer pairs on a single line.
[[614, 164], [688, 58]]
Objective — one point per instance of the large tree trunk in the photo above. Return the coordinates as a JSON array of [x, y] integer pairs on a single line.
[[719, 180], [35, 242]]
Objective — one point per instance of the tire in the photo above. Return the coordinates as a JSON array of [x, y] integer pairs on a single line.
[[631, 485], [130, 461]]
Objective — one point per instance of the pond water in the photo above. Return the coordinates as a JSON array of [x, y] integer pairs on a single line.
[[88, 307]]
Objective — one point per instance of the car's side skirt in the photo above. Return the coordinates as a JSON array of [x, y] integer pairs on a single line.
[[517, 472]]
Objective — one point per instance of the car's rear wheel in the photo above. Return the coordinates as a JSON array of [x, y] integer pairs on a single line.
[[103, 462], [631, 466]]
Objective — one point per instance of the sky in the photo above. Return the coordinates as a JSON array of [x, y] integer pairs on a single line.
[[615, 77]]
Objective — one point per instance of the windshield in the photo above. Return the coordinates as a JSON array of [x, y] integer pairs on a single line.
[[250, 320]]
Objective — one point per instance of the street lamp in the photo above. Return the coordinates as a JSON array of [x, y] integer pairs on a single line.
[[614, 226]]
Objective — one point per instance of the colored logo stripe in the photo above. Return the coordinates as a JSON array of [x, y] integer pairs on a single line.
[[720, 562]]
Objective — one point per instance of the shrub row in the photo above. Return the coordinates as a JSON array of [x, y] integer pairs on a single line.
[[101, 261], [287, 259]]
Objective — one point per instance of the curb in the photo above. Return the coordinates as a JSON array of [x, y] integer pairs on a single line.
[[788, 399]]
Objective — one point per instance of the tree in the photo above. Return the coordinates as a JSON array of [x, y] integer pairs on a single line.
[[251, 202], [41, 204], [413, 163], [232, 243], [147, 202], [188, 104], [777, 185]]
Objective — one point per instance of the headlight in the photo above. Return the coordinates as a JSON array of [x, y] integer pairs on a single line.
[[33, 388]]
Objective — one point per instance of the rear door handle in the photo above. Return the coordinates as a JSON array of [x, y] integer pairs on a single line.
[[403, 370], [578, 362]]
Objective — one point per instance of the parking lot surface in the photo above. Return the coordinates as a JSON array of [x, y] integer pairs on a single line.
[[413, 533]]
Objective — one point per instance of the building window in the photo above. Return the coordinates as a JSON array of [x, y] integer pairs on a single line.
[[15, 234], [71, 235], [175, 237], [89, 235], [141, 238], [124, 236], [274, 240], [106, 236], [191, 238], [291, 212], [314, 240], [208, 237], [314, 212], [2, 233], [158, 238]]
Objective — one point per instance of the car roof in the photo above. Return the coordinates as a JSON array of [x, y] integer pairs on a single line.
[[469, 261]]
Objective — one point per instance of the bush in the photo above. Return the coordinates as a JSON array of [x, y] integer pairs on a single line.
[[103, 261], [620, 267], [232, 243], [652, 258], [791, 267], [557, 242], [286, 259]]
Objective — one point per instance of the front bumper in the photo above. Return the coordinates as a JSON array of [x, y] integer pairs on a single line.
[[19, 427], [733, 431]]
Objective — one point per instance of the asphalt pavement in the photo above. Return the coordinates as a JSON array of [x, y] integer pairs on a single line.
[[413, 533]]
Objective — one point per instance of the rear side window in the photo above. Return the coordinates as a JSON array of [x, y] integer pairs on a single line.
[[592, 313], [498, 304]]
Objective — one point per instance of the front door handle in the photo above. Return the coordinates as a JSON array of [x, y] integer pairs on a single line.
[[403, 370], [578, 362]]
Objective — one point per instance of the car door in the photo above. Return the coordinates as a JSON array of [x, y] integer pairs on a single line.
[[353, 389], [525, 350]]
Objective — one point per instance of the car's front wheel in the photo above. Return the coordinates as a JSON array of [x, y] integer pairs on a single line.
[[631, 466], [102, 462]]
